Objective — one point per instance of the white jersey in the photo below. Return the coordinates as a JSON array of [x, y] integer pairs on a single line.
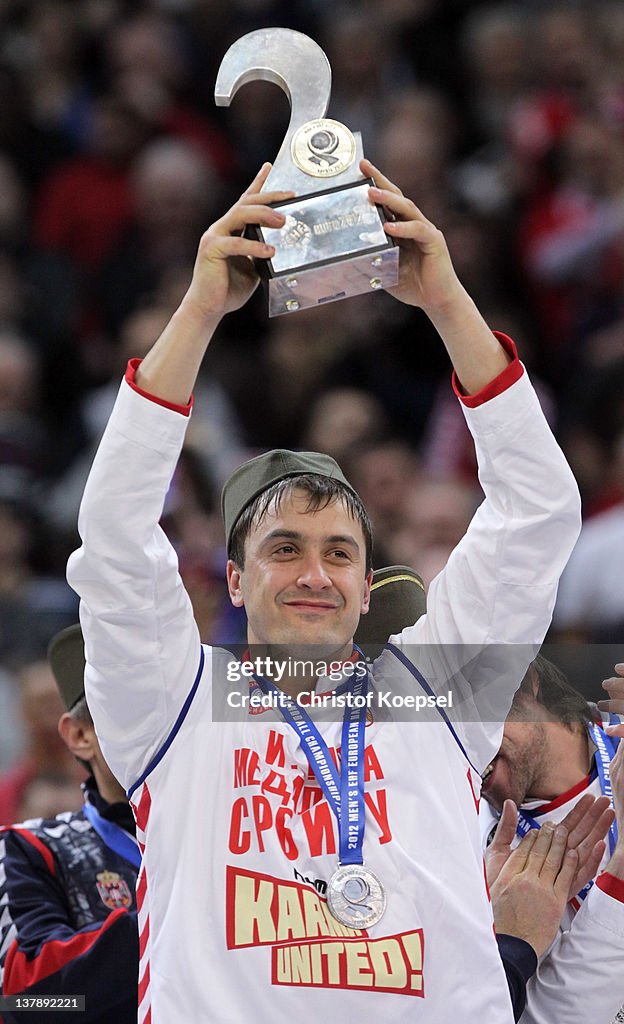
[[238, 840], [579, 979]]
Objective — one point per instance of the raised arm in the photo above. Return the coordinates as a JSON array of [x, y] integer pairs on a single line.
[[500, 583], [496, 593], [141, 643]]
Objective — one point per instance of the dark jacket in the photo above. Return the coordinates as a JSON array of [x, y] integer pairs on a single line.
[[68, 917]]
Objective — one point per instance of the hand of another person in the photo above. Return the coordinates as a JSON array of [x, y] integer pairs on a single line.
[[587, 825], [615, 705], [499, 849], [531, 890]]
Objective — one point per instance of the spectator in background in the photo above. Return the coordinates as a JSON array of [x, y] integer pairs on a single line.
[[12, 739], [590, 601], [435, 516], [86, 203], [35, 600], [416, 141], [572, 240], [43, 796], [146, 58], [192, 521], [215, 433], [382, 474], [174, 189], [81, 213], [33, 604], [52, 38], [340, 420], [496, 56], [45, 757], [12, 210], [364, 69], [294, 360], [22, 432]]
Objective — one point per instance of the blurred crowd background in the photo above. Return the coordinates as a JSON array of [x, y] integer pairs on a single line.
[[503, 121]]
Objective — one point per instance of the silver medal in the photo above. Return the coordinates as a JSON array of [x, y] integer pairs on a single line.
[[355, 896]]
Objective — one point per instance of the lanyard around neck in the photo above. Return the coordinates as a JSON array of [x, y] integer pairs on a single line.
[[343, 790]]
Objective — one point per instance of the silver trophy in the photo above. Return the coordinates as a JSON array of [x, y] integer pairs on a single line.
[[333, 244]]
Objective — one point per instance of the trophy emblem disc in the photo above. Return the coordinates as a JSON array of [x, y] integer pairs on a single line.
[[323, 148]]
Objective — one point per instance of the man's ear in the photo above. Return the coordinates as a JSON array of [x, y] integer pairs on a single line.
[[79, 737], [234, 577], [535, 682], [367, 592]]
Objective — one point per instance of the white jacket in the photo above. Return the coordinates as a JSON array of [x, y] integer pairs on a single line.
[[238, 842]]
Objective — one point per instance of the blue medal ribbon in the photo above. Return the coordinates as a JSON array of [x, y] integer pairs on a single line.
[[343, 790], [115, 837], [605, 752]]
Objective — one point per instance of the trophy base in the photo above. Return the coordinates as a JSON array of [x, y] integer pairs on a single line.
[[331, 247], [315, 286]]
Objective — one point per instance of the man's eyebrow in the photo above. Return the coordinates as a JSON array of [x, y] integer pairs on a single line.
[[343, 538], [336, 538], [280, 534]]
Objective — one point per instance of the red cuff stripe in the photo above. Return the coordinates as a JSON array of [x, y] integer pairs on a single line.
[[39, 846], [184, 410], [611, 885], [505, 379], [21, 973]]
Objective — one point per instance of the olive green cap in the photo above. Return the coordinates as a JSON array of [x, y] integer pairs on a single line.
[[397, 600], [67, 660], [257, 475]]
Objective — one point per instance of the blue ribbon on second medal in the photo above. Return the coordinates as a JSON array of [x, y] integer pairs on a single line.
[[114, 836], [344, 790], [605, 752]]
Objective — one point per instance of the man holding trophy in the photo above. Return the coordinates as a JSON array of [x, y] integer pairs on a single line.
[[299, 864]]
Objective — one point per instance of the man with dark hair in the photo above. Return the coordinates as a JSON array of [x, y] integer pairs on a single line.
[[321, 491], [531, 885], [256, 902], [67, 885], [555, 755]]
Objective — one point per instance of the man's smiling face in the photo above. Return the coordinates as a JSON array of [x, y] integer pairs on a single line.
[[305, 580]]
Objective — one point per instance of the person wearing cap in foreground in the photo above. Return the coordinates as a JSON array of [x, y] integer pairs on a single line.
[[279, 880], [67, 885]]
